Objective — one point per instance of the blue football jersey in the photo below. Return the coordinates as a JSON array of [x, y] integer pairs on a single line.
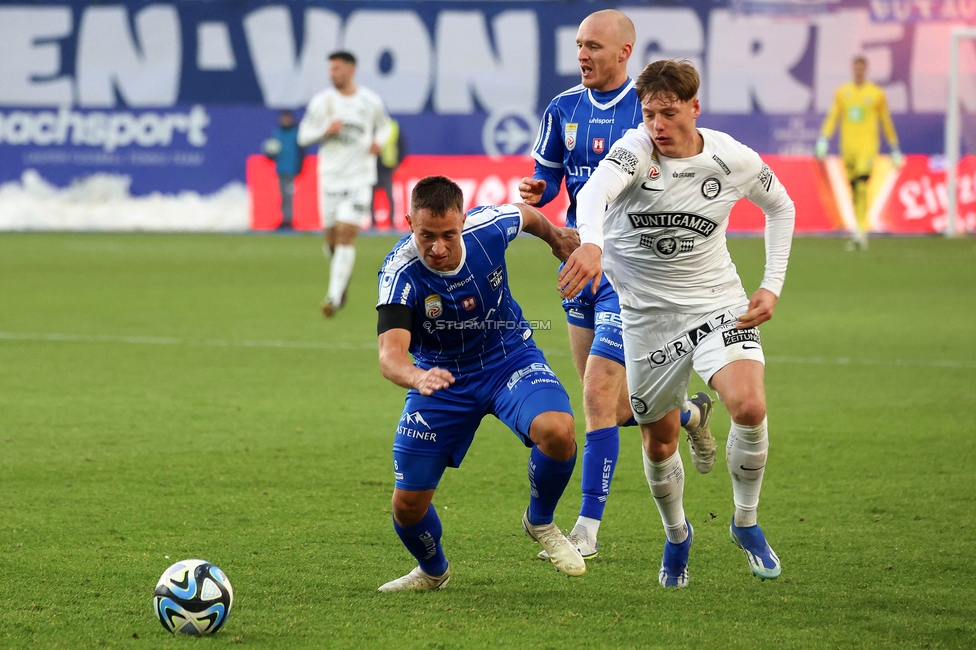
[[577, 131], [463, 320]]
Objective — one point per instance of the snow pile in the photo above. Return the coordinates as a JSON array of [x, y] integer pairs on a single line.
[[103, 202]]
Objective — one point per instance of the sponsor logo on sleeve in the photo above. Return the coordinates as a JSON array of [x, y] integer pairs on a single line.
[[599, 144], [766, 177], [405, 293], [496, 276], [570, 135], [625, 160], [722, 164], [433, 306], [710, 188], [387, 280], [744, 336]]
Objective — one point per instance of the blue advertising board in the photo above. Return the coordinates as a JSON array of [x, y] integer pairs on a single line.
[[177, 94]]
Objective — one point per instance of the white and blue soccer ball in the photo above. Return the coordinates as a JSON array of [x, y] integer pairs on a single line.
[[193, 597]]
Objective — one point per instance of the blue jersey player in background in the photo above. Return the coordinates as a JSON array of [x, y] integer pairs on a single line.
[[578, 129], [444, 298]]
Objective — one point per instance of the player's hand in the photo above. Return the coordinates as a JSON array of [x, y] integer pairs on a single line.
[[896, 158], [375, 149], [567, 241], [760, 309], [820, 149], [531, 189], [334, 127], [434, 379], [584, 265]]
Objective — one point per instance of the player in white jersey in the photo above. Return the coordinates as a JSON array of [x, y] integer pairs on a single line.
[[350, 124], [670, 188]]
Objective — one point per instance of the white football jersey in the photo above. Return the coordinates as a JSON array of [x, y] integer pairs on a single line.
[[344, 158], [663, 234]]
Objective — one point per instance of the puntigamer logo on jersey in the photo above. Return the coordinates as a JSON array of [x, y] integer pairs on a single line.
[[694, 222]]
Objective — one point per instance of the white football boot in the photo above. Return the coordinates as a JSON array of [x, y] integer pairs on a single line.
[[563, 555], [418, 580]]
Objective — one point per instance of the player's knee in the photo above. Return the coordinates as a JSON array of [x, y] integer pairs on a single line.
[[555, 434], [409, 507], [749, 411]]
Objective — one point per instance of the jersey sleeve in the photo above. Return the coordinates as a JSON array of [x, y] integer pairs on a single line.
[[381, 122], [626, 162], [314, 123], [761, 186], [396, 285], [830, 123], [548, 150], [501, 222], [885, 117]]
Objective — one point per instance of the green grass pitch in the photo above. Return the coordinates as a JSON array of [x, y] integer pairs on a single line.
[[165, 397]]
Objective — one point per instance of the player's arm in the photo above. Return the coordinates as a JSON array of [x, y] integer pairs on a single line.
[[562, 241], [316, 124], [584, 265], [393, 329], [381, 129], [889, 130], [549, 156], [770, 196], [829, 125]]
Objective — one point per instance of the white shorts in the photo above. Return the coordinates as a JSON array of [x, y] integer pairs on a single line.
[[350, 206], [662, 349]]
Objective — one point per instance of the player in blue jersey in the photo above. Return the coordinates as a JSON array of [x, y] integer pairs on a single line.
[[578, 129], [444, 298]]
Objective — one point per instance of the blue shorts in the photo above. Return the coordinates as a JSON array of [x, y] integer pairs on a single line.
[[600, 313], [435, 431]]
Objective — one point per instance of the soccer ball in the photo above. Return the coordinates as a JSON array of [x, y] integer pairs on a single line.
[[193, 597]]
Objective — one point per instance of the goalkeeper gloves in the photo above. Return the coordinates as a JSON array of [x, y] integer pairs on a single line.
[[896, 158], [820, 149]]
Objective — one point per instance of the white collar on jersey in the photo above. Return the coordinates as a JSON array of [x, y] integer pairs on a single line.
[[612, 102], [464, 257]]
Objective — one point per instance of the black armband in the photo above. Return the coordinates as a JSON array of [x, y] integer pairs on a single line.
[[391, 317]]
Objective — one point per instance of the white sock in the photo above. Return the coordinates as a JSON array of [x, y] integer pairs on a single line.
[[667, 482], [695, 416], [592, 527], [745, 455], [342, 263]]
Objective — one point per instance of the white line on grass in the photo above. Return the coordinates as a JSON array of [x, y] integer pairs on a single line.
[[326, 345]]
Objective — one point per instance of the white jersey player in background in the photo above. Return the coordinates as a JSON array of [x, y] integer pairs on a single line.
[[657, 209], [351, 125]]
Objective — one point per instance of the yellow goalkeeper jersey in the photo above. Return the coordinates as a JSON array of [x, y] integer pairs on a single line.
[[859, 108]]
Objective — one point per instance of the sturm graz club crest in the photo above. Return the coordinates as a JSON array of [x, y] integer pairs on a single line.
[[667, 244], [710, 188], [636, 403]]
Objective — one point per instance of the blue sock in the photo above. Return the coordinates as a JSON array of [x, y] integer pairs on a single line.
[[599, 461], [423, 540], [685, 416], [548, 479]]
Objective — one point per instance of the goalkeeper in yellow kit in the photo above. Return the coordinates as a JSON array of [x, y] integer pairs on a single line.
[[859, 105]]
